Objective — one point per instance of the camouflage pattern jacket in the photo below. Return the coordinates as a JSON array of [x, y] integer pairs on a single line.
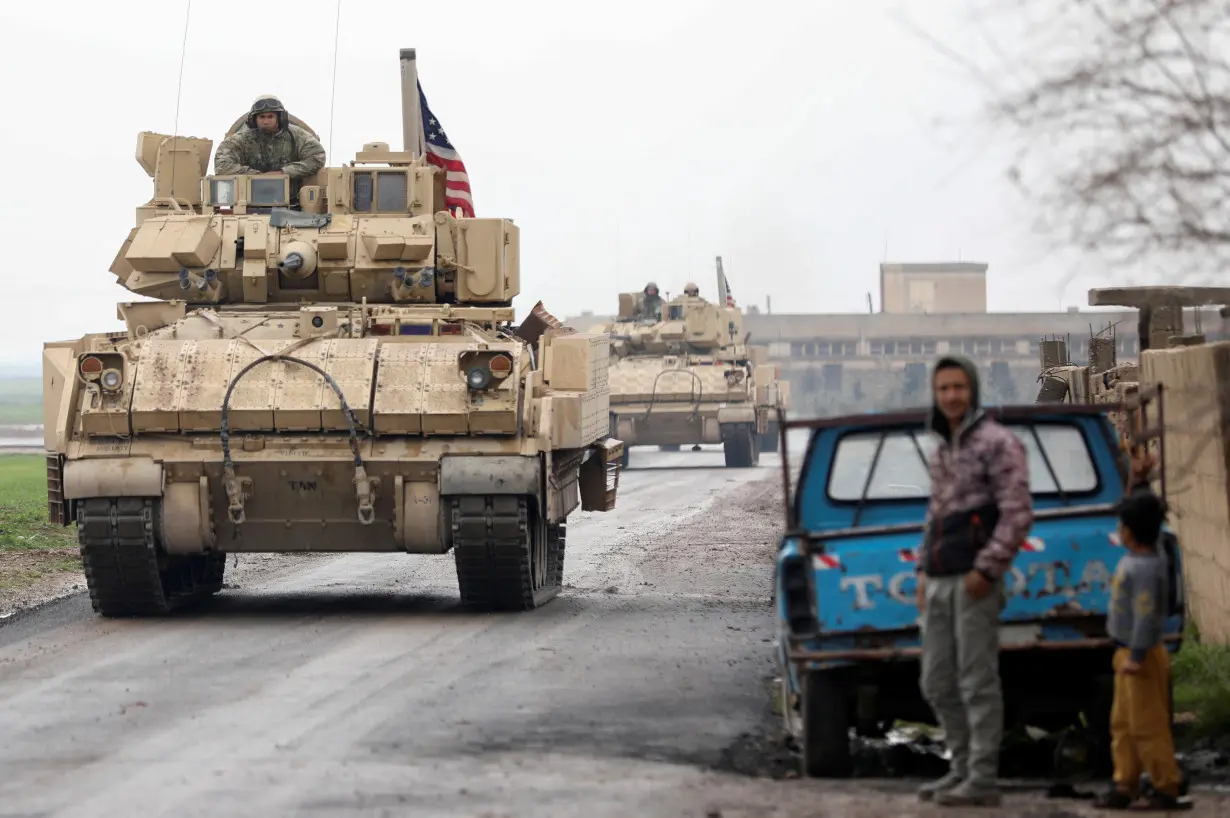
[[651, 307], [984, 466], [291, 150]]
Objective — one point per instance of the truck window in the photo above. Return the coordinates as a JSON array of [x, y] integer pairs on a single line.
[[901, 471]]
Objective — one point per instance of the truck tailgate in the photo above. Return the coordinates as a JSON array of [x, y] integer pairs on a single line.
[[866, 583]]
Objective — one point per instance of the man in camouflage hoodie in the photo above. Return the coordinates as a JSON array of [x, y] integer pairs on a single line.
[[270, 143], [980, 511]]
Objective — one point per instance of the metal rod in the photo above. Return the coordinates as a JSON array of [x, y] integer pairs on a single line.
[[1062, 513], [1161, 443], [1047, 460], [919, 416], [889, 654], [411, 112], [781, 432], [871, 470]]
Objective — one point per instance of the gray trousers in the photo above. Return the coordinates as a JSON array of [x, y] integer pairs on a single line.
[[960, 675]]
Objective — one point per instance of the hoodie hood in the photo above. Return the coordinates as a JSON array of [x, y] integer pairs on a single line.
[[936, 421]]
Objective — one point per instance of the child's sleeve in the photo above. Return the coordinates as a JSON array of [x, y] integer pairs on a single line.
[[1145, 589]]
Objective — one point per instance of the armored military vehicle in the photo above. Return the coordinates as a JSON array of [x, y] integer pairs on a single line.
[[340, 375], [688, 377]]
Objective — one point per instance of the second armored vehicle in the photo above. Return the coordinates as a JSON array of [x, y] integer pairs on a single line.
[[336, 374], [688, 377]]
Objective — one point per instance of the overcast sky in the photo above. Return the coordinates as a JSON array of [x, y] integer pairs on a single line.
[[630, 141]]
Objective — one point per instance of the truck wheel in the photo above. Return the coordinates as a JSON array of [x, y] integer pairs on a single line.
[[826, 726]]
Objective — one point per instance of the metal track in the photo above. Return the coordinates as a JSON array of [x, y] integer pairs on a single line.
[[505, 559], [123, 569]]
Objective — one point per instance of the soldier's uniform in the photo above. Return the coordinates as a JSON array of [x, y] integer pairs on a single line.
[[651, 303], [291, 150]]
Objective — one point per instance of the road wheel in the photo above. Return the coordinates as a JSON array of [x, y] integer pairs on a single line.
[[826, 726], [507, 557], [125, 571]]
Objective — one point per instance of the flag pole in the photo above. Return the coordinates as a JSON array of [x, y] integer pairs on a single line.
[[411, 109], [721, 283]]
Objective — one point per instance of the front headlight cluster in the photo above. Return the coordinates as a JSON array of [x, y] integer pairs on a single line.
[[483, 368], [103, 368]]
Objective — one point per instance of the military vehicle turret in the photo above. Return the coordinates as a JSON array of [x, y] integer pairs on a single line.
[[688, 377], [340, 374]]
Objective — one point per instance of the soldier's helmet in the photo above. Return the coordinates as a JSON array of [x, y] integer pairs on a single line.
[[691, 289], [267, 104], [651, 286]]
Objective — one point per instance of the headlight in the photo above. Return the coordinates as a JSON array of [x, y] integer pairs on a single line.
[[111, 380], [478, 377], [222, 191]]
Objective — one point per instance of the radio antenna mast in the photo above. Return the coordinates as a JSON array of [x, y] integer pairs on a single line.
[[179, 92], [337, 27]]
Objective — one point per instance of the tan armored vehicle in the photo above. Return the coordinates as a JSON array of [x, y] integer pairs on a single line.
[[340, 376], [1105, 379], [688, 377]]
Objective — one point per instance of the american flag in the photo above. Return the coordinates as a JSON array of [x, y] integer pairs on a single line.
[[440, 152], [730, 299]]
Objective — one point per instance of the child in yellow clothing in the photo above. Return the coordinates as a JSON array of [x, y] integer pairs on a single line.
[[1140, 716]]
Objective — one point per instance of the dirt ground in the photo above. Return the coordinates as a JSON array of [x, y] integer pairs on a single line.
[[29, 579]]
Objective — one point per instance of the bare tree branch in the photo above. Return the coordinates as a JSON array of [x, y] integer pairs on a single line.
[[1126, 133]]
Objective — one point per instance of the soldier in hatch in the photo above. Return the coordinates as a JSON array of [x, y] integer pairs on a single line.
[[651, 304], [270, 143], [691, 289]]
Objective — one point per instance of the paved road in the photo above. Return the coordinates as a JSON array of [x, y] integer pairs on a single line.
[[353, 685], [357, 683]]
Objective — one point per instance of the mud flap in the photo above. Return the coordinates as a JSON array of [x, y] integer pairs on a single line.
[[600, 475]]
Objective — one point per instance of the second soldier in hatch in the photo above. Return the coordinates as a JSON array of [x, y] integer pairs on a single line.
[[270, 143], [651, 304]]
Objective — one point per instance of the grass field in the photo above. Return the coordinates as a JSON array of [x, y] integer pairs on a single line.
[[1202, 685], [31, 548], [21, 401]]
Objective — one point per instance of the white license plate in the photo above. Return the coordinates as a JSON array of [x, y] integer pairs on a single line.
[[1019, 634]]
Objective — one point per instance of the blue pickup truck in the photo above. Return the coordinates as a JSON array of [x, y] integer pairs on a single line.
[[848, 636]]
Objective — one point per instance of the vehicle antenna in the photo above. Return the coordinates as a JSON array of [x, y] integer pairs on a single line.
[[179, 92], [337, 27]]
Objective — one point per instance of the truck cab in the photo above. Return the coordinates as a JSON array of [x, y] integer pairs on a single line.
[[848, 627]]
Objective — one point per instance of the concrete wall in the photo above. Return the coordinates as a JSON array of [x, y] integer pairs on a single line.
[[1196, 397], [933, 288]]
